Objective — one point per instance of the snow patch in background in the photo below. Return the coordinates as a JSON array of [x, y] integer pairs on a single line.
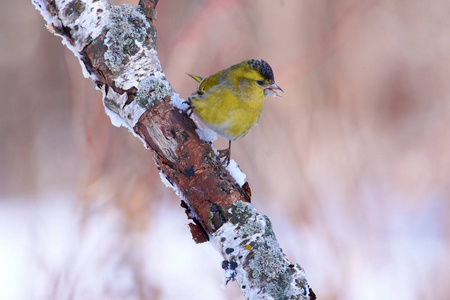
[[55, 250], [394, 260], [52, 249]]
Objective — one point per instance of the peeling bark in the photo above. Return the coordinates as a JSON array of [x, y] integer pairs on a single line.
[[117, 49], [188, 163]]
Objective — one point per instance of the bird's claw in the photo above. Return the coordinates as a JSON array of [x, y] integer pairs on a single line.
[[225, 154]]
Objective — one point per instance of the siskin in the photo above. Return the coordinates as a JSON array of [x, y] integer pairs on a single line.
[[230, 101]]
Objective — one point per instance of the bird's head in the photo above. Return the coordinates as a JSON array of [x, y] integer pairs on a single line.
[[264, 77]]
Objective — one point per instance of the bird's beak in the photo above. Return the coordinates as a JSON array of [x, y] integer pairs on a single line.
[[273, 90]]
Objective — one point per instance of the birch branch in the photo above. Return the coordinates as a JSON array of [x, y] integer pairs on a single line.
[[116, 47]]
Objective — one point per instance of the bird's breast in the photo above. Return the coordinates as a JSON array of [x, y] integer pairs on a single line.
[[229, 112]]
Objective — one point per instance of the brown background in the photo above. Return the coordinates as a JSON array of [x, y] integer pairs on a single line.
[[352, 165]]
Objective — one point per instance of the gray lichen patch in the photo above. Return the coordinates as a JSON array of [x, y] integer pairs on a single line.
[[268, 265], [128, 29], [248, 220], [265, 261], [151, 91], [240, 213], [131, 52], [248, 242]]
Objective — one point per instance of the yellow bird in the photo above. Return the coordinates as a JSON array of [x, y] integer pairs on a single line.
[[230, 101]]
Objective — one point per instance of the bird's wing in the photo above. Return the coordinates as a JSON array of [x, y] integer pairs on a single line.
[[205, 83]]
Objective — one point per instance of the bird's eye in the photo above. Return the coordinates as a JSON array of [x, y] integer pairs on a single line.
[[260, 82]]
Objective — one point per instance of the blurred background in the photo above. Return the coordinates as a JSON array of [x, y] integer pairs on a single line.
[[352, 165]]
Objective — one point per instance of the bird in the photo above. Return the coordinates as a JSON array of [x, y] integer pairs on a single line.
[[230, 101]]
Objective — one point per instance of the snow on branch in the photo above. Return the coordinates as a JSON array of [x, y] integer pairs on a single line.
[[116, 47]]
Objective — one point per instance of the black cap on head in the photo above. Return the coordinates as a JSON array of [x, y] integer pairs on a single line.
[[263, 67]]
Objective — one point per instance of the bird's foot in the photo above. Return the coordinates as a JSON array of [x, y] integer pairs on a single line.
[[226, 154]]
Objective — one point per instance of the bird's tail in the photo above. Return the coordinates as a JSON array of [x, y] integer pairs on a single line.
[[195, 77]]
